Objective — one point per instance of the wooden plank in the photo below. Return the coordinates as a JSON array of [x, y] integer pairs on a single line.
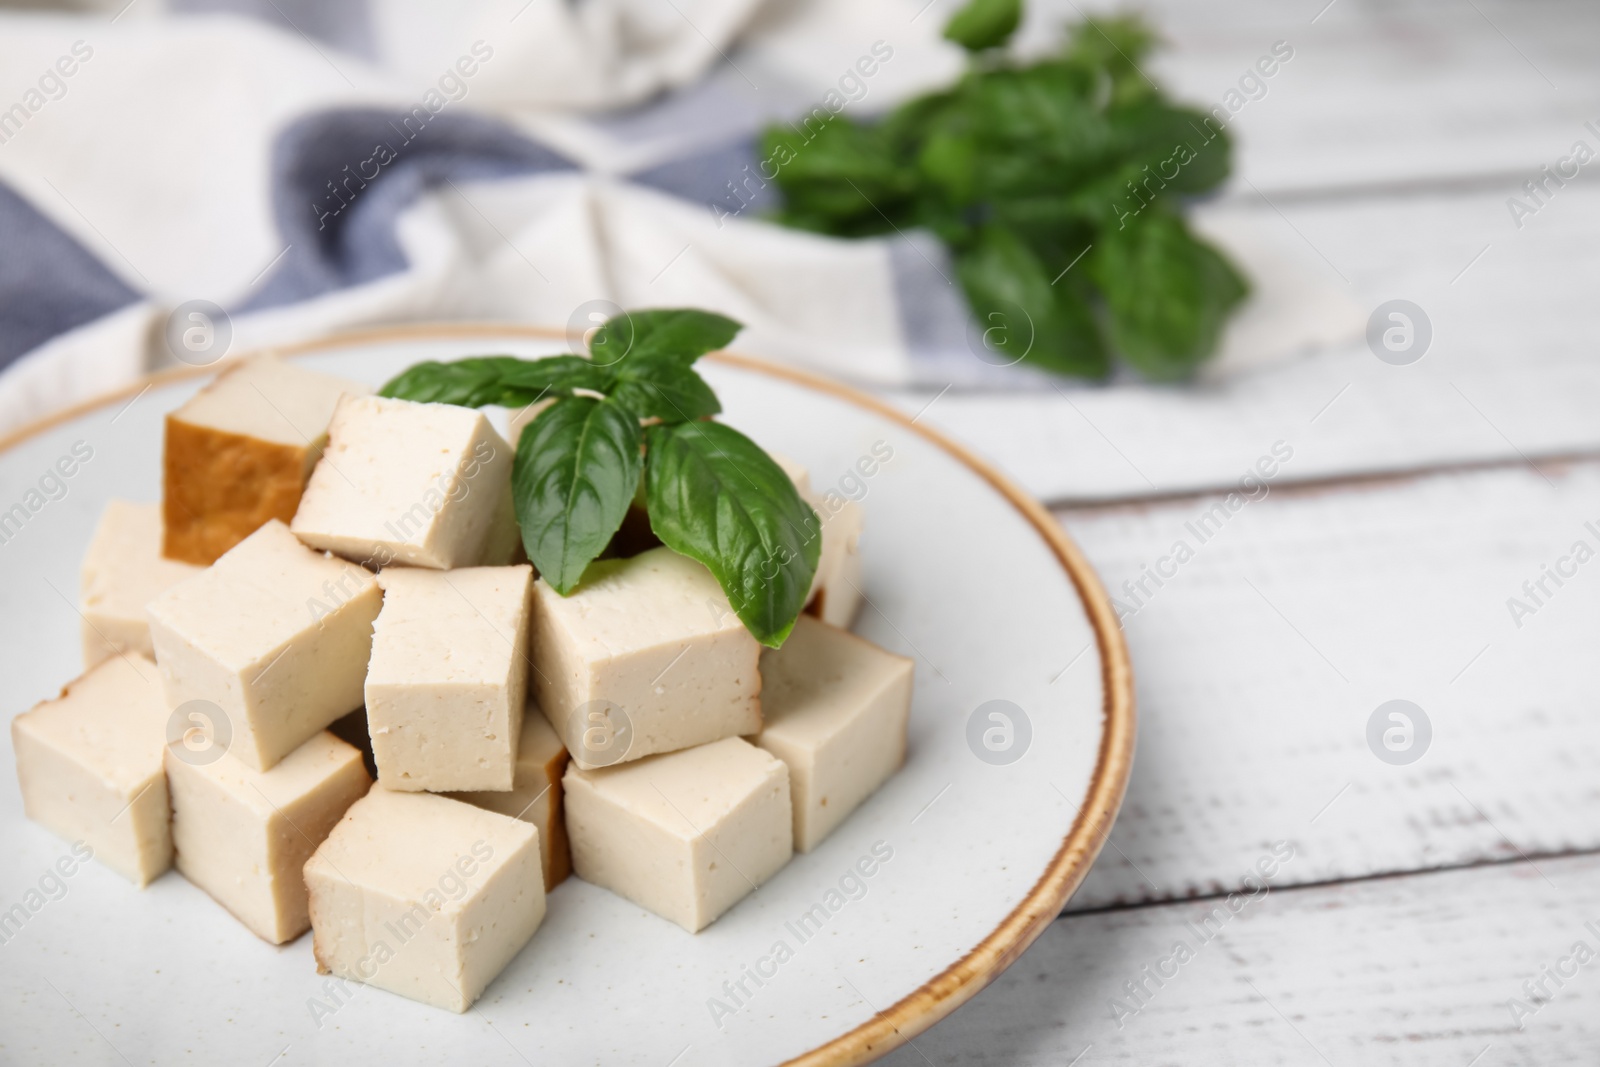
[[1379, 94], [1510, 370], [1284, 625], [1419, 971]]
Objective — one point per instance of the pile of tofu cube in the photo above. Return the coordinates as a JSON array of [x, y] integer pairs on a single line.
[[332, 591]]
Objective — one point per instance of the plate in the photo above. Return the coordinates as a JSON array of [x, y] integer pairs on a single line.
[[1021, 739]]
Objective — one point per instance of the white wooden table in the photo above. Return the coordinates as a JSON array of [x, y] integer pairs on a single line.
[[1426, 913]]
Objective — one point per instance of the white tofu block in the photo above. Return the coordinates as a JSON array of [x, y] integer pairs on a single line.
[[835, 595], [520, 417], [645, 656], [352, 730], [275, 635], [239, 452], [535, 795], [424, 896], [798, 474], [122, 572], [401, 482], [89, 764], [835, 709], [447, 685], [244, 835], [686, 834], [504, 545]]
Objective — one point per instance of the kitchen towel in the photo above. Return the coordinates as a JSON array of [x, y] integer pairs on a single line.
[[285, 169]]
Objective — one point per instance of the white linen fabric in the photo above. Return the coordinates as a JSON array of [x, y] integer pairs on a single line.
[[309, 166]]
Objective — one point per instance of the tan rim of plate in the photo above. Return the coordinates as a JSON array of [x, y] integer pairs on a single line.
[[958, 983]]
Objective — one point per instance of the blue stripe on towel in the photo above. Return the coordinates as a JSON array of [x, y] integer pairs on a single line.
[[340, 180], [49, 283]]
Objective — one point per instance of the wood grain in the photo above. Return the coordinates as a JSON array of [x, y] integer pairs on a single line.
[[1259, 663], [1416, 971], [1410, 94], [1510, 371], [1419, 898]]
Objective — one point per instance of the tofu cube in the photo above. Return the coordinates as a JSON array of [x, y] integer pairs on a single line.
[[686, 834], [835, 596], [352, 730], [447, 686], [520, 418], [122, 572], [239, 452], [89, 764], [835, 707], [645, 656], [275, 635], [400, 482], [244, 835], [424, 896], [535, 795], [798, 474]]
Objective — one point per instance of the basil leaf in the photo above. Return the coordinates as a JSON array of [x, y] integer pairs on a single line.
[[715, 496], [1113, 48], [984, 24], [1168, 293], [1019, 167], [1175, 150], [575, 473], [682, 333], [663, 387], [504, 380], [468, 382], [1023, 316], [840, 177], [559, 375]]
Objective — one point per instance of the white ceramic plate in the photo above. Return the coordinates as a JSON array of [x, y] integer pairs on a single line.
[[963, 574]]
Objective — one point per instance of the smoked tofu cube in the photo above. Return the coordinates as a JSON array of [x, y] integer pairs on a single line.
[[835, 708], [447, 686], [89, 764], [836, 590], [685, 835], [239, 452], [122, 572], [275, 635], [244, 835], [424, 896], [400, 482], [645, 656], [535, 795]]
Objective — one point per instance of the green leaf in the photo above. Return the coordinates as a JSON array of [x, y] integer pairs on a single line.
[[505, 380], [984, 24], [715, 496], [663, 387], [684, 334], [1021, 167], [1022, 316], [1170, 150], [576, 470], [1167, 292], [838, 176], [1113, 48]]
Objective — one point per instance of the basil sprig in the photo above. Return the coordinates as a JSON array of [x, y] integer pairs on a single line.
[[1024, 168], [710, 492]]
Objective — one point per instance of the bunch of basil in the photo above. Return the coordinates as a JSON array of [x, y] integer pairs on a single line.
[[1023, 169], [635, 407]]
